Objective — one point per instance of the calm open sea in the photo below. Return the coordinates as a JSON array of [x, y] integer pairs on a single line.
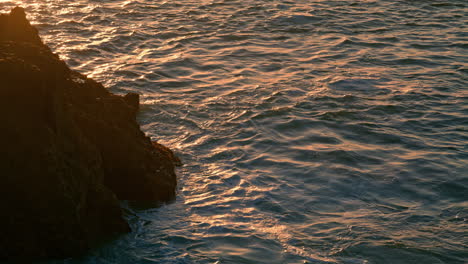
[[311, 131]]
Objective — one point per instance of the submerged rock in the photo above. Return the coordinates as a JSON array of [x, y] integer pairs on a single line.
[[70, 150]]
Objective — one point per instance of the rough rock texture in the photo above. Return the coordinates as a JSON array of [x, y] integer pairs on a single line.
[[69, 150]]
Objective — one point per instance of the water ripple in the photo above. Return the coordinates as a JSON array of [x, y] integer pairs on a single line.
[[311, 131]]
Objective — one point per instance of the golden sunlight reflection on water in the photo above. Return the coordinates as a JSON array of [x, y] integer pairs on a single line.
[[311, 131]]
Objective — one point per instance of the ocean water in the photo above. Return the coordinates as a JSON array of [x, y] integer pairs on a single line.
[[311, 131]]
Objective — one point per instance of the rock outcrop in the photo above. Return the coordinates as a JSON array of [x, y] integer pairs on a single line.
[[70, 150]]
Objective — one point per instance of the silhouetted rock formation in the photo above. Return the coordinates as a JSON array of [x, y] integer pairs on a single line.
[[69, 150]]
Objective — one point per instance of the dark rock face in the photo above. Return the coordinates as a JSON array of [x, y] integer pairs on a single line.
[[69, 150]]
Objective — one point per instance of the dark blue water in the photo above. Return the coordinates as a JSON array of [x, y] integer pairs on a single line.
[[311, 131]]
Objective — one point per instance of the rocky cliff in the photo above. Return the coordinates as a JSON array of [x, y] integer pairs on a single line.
[[70, 150]]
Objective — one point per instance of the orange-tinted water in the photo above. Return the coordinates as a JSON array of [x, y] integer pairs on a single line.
[[311, 131]]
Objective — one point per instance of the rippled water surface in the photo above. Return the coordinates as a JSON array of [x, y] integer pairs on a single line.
[[311, 131]]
